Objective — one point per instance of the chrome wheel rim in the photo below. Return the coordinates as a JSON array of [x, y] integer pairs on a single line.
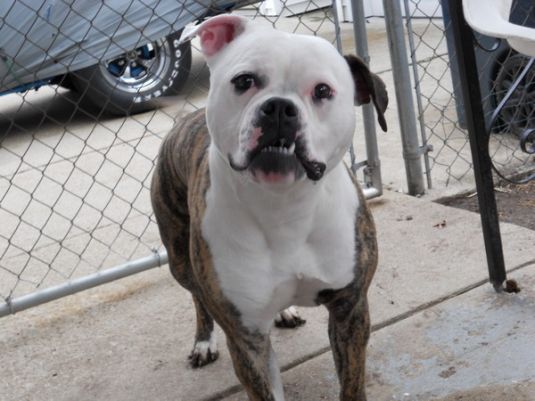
[[139, 70]]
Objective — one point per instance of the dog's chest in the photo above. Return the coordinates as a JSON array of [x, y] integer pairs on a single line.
[[277, 258]]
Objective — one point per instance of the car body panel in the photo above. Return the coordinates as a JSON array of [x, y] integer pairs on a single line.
[[43, 39]]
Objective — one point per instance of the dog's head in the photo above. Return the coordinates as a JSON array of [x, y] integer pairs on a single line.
[[280, 106]]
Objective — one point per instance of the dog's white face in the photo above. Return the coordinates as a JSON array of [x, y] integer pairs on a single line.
[[281, 106]]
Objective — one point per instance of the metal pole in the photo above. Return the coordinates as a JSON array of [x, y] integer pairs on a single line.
[[425, 146], [71, 287], [402, 82], [337, 35], [475, 119], [372, 171]]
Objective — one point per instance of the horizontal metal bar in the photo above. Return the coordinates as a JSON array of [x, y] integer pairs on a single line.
[[102, 277], [371, 192], [83, 283]]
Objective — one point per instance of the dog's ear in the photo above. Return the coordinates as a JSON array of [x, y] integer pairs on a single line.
[[368, 86], [215, 33]]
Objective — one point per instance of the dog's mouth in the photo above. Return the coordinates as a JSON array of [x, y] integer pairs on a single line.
[[281, 160]]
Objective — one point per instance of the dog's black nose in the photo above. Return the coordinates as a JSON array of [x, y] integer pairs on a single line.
[[279, 116], [278, 108]]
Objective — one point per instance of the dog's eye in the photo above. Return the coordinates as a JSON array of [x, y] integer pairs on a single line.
[[243, 82], [322, 91]]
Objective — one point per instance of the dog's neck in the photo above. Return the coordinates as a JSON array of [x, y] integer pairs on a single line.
[[252, 216], [232, 188]]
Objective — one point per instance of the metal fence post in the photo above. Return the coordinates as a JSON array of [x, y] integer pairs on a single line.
[[428, 147], [372, 171], [407, 117]]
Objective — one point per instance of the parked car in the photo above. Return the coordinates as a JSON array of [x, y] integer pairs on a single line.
[[118, 54]]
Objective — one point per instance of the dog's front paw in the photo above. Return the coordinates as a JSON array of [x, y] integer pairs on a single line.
[[204, 352], [289, 318]]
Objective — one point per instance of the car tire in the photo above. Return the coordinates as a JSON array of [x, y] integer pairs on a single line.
[[517, 115], [132, 82]]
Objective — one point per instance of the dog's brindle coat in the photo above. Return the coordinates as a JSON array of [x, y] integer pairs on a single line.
[[179, 188]]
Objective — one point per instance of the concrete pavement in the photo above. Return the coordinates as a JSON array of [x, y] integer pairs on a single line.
[[438, 327]]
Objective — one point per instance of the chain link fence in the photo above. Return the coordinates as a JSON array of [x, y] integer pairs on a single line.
[[76, 155], [439, 100], [87, 92]]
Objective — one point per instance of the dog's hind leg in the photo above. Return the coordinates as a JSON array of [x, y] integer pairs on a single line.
[[289, 318], [205, 348]]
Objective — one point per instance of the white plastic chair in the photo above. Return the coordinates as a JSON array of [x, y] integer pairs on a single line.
[[491, 17]]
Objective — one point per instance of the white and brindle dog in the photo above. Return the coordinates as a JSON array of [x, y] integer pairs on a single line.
[[255, 207]]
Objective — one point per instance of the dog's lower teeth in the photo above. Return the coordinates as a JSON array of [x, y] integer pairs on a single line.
[[280, 149], [291, 149]]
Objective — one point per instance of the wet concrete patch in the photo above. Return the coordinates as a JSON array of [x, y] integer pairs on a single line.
[[511, 392]]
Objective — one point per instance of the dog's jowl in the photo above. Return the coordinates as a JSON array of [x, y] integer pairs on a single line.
[[255, 207]]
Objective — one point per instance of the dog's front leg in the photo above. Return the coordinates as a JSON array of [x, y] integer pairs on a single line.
[[256, 365], [349, 330]]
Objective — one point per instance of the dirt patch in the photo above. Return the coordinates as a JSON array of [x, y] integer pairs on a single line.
[[516, 203], [511, 392]]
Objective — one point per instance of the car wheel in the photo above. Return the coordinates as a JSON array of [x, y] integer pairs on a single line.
[[518, 113], [131, 83]]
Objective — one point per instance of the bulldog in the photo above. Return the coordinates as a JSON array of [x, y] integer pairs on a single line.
[[256, 208]]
